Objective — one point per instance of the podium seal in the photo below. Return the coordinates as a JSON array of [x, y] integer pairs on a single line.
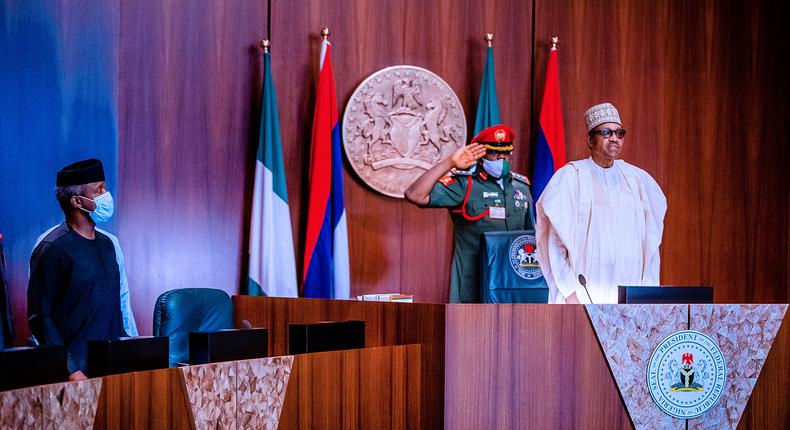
[[686, 374], [523, 259]]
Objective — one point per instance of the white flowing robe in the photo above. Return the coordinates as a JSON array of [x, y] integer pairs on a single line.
[[604, 224]]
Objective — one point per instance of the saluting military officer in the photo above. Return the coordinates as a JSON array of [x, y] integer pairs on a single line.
[[487, 198]]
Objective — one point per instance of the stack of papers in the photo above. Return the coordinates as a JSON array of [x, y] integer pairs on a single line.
[[389, 297]]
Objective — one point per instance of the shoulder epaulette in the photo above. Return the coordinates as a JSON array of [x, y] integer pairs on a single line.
[[458, 172], [447, 180], [520, 177]]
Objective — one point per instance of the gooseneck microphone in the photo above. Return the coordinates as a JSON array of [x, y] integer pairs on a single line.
[[583, 281]]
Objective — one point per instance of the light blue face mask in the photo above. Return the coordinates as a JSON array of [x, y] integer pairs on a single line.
[[105, 207], [496, 168]]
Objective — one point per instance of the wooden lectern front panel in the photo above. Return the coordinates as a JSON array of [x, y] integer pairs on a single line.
[[527, 366]]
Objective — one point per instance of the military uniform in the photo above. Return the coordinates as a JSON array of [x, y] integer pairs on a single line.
[[478, 204]]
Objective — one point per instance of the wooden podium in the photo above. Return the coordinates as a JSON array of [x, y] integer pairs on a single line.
[[550, 366]]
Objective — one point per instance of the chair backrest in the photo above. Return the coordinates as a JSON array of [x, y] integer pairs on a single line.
[[178, 312]]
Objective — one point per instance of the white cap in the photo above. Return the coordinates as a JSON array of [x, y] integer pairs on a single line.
[[601, 114]]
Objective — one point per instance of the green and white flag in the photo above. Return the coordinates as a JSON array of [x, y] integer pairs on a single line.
[[487, 104], [272, 265]]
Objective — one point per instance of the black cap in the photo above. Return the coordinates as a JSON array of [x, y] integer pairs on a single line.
[[81, 172]]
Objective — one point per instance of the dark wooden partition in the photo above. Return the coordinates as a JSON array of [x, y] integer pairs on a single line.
[[385, 324], [527, 366], [371, 388], [353, 389], [769, 406]]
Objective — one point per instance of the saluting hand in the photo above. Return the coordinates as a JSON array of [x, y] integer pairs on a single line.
[[464, 157]]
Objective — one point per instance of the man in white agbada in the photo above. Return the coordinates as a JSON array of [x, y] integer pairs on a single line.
[[601, 218]]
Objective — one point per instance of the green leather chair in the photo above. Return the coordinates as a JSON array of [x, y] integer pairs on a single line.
[[178, 312]]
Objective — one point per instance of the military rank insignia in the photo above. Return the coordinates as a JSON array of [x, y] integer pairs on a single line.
[[447, 180], [521, 178]]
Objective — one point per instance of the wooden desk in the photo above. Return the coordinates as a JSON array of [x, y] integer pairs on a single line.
[[354, 389], [426, 366]]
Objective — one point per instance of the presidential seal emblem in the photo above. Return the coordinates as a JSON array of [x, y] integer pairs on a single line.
[[523, 259], [400, 122], [686, 374]]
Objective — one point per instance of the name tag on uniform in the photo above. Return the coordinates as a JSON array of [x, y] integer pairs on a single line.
[[496, 212]]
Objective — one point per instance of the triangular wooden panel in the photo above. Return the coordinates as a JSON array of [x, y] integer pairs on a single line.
[[21, 409], [262, 384], [211, 391], [246, 394], [744, 334], [628, 334], [70, 405]]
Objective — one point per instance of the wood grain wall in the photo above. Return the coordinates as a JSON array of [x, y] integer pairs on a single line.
[[701, 92], [699, 84], [189, 94]]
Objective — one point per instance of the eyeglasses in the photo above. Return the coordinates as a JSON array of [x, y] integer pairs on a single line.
[[606, 132]]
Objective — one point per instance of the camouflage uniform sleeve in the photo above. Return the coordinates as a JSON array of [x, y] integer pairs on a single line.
[[448, 192]]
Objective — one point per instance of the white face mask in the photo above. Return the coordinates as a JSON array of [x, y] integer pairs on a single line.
[[497, 168], [105, 207]]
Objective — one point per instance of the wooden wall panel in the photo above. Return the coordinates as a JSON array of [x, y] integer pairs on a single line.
[[189, 78], [385, 324], [699, 85], [699, 89]]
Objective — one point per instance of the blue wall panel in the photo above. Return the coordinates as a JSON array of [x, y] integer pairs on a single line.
[[58, 104]]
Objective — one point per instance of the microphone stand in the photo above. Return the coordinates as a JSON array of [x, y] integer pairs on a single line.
[[583, 281]]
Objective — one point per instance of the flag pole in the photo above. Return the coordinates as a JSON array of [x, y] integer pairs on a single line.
[[489, 39], [554, 42], [265, 45]]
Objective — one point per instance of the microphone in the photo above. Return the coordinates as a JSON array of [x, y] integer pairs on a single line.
[[583, 281]]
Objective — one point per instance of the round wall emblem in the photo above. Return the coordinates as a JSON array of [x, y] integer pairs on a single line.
[[400, 122], [686, 374], [523, 259]]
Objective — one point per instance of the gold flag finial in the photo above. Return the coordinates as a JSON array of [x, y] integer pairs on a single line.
[[554, 41], [265, 45], [325, 33], [489, 39]]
